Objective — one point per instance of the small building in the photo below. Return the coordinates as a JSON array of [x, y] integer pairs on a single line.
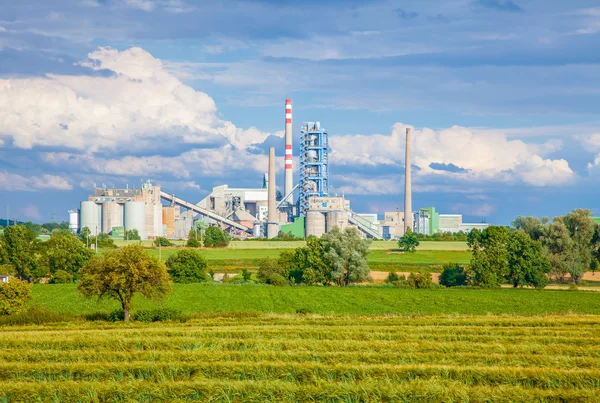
[[3, 278]]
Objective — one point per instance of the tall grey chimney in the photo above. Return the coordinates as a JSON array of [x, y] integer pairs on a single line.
[[272, 202], [408, 217]]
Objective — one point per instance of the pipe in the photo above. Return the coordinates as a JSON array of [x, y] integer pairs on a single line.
[[272, 197], [289, 172], [408, 217]]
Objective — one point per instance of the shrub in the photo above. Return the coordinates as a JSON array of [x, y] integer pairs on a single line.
[[246, 275], [116, 316], [163, 242], [187, 266], [193, 243], [395, 279], [14, 296], [61, 277], [158, 315], [453, 275], [215, 238], [303, 311], [420, 280], [271, 272]]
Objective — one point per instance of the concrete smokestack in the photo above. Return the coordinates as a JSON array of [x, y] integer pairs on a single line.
[[272, 197], [289, 172], [408, 217]]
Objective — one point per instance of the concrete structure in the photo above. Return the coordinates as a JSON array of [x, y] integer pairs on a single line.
[[224, 200], [90, 217], [427, 221], [337, 219], [471, 226], [74, 221], [392, 226], [315, 224], [430, 223], [289, 172], [272, 227], [168, 218], [408, 219], [135, 217], [450, 222], [112, 216], [314, 164]]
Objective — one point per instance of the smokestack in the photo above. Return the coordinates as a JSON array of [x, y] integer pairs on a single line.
[[271, 225], [289, 172], [408, 217]]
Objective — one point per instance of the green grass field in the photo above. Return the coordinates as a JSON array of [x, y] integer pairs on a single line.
[[292, 358], [359, 300]]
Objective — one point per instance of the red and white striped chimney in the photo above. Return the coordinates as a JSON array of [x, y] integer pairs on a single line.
[[289, 172]]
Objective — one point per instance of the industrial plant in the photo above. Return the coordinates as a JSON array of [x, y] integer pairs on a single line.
[[260, 212]]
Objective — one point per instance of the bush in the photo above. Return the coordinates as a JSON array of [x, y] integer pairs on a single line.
[[271, 272], [14, 296], [116, 316], [395, 279], [61, 277], [193, 243], [163, 242], [453, 275], [246, 275], [215, 238], [34, 316], [420, 280], [159, 315], [187, 266]]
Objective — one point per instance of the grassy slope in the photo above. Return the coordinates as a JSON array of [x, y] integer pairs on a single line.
[[341, 301]]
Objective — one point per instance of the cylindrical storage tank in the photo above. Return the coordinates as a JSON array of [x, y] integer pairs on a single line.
[[315, 224], [135, 217], [111, 216], [257, 230], [90, 213], [337, 219], [74, 221]]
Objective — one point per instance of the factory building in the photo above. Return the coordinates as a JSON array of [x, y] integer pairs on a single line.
[[392, 226], [430, 222]]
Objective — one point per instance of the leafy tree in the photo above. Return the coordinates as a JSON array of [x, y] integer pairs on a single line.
[[132, 235], [20, 250], [187, 266], [215, 237], [61, 232], [193, 241], [489, 263], [453, 275], [66, 253], [14, 296], [581, 228], [122, 273], [105, 241], [528, 263], [408, 242], [532, 226], [85, 235], [270, 272], [311, 264], [246, 275], [346, 252], [61, 277]]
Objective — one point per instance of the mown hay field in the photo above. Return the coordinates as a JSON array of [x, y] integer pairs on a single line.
[[294, 358], [358, 300]]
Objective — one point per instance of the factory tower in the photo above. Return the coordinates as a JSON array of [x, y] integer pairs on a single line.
[[314, 164], [408, 217], [289, 171]]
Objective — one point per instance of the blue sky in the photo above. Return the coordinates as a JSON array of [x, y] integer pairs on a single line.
[[503, 97]]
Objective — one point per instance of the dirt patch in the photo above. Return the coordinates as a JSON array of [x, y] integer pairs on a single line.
[[380, 276], [391, 252]]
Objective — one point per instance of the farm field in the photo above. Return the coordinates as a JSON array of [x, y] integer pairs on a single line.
[[291, 358], [359, 300]]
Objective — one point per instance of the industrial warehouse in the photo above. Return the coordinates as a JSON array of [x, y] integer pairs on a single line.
[[304, 209]]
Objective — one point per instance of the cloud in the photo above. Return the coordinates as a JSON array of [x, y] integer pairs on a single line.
[[481, 156], [499, 5], [145, 5], [477, 210], [142, 106], [31, 212], [406, 15], [19, 183]]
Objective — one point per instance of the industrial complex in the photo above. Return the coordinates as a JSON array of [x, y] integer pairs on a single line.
[[260, 212]]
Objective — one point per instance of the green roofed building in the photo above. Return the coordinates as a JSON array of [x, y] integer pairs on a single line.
[[295, 229]]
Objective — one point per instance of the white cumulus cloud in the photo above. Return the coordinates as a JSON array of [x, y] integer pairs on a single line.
[[15, 182]]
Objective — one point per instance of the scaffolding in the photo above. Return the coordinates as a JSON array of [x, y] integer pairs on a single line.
[[314, 164]]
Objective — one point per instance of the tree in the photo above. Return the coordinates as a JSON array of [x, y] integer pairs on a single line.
[[162, 241], [453, 275], [85, 235], [420, 279], [122, 273], [215, 237], [346, 252], [187, 266], [408, 242], [14, 296], [270, 272], [528, 263], [132, 235], [532, 226], [20, 250], [489, 263], [105, 241], [307, 264], [67, 253], [581, 228], [193, 241]]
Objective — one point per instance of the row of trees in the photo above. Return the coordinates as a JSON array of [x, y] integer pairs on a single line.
[[38, 229], [339, 257]]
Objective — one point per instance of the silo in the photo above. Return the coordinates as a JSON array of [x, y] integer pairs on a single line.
[[111, 216], [90, 213], [74, 221], [315, 223], [337, 219], [135, 217]]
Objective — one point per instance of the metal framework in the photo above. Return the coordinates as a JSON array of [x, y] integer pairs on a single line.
[[314, 163]]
